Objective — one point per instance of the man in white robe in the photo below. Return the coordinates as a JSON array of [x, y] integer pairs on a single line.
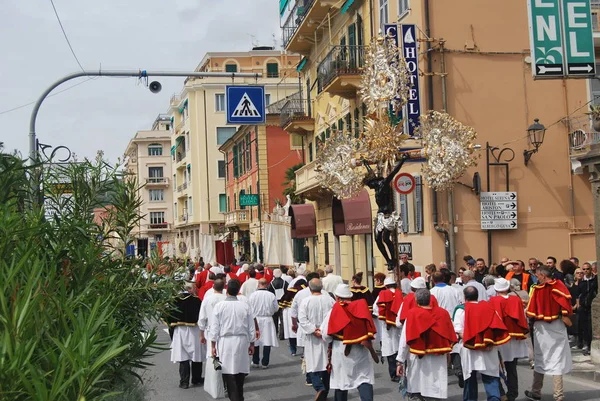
[[352, 371], [477, 356], [446, 296], [263, 305], [213, 380], [331, 280], [469, 281], [310, 316], [427, 336], [251, 284], [232, 339], [390, 334], [548, 306], [186, 348]]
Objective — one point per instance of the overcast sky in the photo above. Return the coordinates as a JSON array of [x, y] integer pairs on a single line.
[[114, 34]]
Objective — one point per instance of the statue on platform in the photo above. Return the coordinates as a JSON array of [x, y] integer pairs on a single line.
[[387, 217]]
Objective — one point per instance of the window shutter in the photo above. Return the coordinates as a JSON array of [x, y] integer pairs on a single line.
[[419, 204], [404, 213], [235, 161]]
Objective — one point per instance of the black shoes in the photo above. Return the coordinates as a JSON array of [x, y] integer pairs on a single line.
[[461, 381], [531, 396], [184, 386]]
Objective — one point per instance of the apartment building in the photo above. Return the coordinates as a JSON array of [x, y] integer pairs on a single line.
[[474, 62], [256, 162], [198, 116], [148, 160]]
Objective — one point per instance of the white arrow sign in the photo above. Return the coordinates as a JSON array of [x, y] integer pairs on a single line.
[[544, 69], [587, 68]]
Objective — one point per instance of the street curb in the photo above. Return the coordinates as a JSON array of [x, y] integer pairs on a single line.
[[592, 375]]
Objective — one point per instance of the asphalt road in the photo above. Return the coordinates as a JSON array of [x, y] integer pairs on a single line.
[[283, 381]]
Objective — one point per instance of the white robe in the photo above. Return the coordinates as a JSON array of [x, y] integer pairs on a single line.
[[485, 361], [482, 294], [348, 372], [447, 297], [331, 281], [427, 375], [390, 336], [206, 315], [311, 313], [233, 331], [249, 287], [552, 355], [301, 296], [287, 324], [186, 345], [263, 305]]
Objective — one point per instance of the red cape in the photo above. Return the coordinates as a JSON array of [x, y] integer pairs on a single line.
[[511, 311], [234, 268], [483, 326], [266, 274], [351, 322], [202, 290], [549, 301], [387, 298], [429, 331], [243, 277], [201, 278], [409, 303]]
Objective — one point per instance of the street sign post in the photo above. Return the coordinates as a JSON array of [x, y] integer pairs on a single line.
[[561, 36], [245, 104], [248, 199], [498, 210]]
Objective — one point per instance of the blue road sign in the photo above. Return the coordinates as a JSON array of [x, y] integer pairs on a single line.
[[245, 104]]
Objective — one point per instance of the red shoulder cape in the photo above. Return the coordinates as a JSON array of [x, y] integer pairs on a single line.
[[513, 315], [429, 331], [202, 290], [549, 301], [351, 322], [410, 302], [386, 302], [483, 326]]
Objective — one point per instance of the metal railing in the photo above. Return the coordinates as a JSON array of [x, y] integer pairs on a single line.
[[341, 60], [294, 109], [182, 187], [295, 19], [579, 140], [157, 181], [180, 155], [158, 226]]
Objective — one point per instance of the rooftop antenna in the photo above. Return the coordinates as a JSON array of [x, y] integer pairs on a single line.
[[274, 41]]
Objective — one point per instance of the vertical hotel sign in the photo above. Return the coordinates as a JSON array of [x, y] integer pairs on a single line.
[[411, 55]]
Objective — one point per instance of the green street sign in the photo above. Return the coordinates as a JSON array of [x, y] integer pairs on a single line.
[[248, 199], [545, 32], [561, 34], [578, 37]]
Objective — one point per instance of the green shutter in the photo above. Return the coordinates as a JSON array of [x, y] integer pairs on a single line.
[[230, 67], [235, 161], [272, 70], [222, 203], [419, 203]]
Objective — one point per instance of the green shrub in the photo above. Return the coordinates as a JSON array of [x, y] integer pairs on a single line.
[[75, 312]]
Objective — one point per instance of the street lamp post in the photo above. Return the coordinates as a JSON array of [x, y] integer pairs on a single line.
[[33, 149]]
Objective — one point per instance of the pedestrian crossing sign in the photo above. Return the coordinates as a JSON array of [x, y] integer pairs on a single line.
[[245, 104]]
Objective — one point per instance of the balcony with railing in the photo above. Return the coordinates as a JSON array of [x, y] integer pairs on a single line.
[[581, 142], [157, 182], [297, 30], [158, 226], [182, 187], [295, 116], [237, 218], [307, 183], [339, 72]]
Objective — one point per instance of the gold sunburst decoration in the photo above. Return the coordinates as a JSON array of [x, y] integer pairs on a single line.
[[449, 146], [382, 140], [336, 167], [386, 81]]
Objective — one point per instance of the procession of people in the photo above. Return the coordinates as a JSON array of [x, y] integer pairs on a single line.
[[445, 323]]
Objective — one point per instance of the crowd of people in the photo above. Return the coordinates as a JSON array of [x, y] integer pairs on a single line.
[[478, 323]]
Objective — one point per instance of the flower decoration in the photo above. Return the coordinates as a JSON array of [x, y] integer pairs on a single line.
[[449, 147], [337, 169], [386, 80]]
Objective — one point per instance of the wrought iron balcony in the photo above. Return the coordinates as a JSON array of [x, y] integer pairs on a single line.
[[581, 141], [295, 116], [295, 19], [339, 71], [158, 226]]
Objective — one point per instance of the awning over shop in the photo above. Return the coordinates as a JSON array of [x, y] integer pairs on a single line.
[[304, 222], [352, 216]]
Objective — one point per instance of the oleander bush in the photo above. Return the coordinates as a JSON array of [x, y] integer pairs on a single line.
[[76, 314]]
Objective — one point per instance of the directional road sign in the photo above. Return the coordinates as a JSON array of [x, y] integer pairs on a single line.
[[248, 200], [498, 210], [245, 104], [561, 36]]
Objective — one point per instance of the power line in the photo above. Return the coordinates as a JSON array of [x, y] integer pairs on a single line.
[[65, 34], [53, 94]]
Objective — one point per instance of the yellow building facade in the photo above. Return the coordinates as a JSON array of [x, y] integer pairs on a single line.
[[199, 128], [474, 62]]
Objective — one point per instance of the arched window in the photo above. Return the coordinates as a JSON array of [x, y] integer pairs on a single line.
[[155, 149]]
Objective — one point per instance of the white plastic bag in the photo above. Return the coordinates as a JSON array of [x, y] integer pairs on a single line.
[[213, 380]]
